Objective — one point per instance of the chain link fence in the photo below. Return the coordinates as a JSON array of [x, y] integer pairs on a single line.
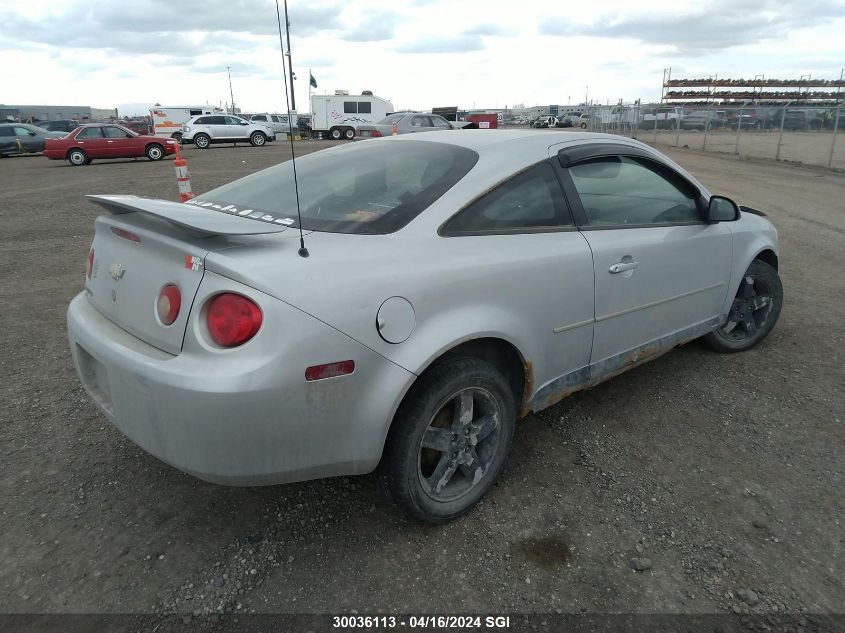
[[801, 134]]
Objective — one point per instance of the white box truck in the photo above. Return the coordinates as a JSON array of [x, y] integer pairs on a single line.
[[167, 121], [338, 115]]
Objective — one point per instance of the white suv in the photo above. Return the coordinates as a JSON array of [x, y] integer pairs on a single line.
[[278, 122], [205, 129]]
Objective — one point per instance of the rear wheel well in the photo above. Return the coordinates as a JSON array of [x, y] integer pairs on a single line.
[[504, 357], [769, 257]]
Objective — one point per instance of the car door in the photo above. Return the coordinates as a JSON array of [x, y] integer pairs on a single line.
[[234, 129], [661, 272], [119, 142], [92, 141], [29, 140], [538, 264]]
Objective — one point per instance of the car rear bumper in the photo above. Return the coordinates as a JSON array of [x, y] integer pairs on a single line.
[[244, 416]]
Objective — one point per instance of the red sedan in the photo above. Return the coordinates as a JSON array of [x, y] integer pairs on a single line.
[[88, 142]]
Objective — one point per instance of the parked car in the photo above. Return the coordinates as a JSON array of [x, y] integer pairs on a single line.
[[583, 121], [206, 129], [277, 122], [99, 140], [746, 119], [61, 125], [702, 119], [803, 120], [451, 288], [663, 118], [565, 120], [23, 138], [406, 123], [142, 127]]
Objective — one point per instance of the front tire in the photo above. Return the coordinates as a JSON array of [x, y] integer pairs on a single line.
[[77, 157], [202, 141], [449, 440], [257, 139], [154, 152], [753, 313]]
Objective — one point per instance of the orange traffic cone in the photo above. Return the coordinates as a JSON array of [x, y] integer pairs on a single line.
[[183, 176], [395, 129]]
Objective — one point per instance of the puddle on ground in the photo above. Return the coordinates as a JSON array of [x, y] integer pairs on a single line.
[[549, 552]]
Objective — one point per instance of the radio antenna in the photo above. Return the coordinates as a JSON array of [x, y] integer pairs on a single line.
[[303, 252]]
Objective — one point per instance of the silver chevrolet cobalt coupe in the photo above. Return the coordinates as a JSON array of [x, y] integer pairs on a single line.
[[455, 282]]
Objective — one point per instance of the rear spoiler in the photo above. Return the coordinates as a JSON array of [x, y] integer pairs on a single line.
[[208, 221]]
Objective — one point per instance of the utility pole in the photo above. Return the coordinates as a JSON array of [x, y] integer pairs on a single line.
[[290, 61], [231, 94]]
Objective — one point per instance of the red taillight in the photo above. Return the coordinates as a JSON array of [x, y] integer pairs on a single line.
[[169, 303], [233, 319], [332, 370], [376, 133], [125, 234], [90, 268]]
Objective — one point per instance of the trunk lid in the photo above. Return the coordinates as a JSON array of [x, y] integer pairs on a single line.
[[147, 244]]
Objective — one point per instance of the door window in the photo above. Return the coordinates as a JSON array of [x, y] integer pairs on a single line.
[[89, 133], [23, 132], [213, 120], [114, 132], [233, 120], [259, 117], [625, 190], [440, 122], [530, 200], [420, 121]]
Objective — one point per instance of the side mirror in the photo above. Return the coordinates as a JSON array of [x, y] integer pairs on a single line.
[[244, 123], [722, 209]]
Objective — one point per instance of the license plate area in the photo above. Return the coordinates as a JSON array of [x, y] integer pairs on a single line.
[[95, 379]]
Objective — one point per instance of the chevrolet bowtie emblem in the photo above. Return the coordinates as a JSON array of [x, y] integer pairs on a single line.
[[117, 271]]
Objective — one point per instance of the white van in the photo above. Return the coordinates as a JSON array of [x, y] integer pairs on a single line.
[[167, 121], [338, 115]]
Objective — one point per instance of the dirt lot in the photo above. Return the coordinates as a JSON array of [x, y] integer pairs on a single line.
[[725, 472]]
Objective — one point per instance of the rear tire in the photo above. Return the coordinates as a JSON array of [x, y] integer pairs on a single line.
[[449, 440], [202, 141], [154, 151], [349, 134], [257, 139], [336, 133], [753, 313], [77, 158], [177, 136]]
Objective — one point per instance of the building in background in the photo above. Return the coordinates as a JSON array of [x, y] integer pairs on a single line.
[[36, 113]]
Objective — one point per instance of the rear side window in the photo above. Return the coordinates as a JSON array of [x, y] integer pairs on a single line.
[[529, 201], [371, 188], [213, 120], [627, 190], [90, 133], [6, 131], [259, 117]]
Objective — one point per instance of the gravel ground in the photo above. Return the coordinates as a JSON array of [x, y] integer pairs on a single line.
[[698, 483]]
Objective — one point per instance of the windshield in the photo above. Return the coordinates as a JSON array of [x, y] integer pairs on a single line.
[[367, 188], [393, 118]]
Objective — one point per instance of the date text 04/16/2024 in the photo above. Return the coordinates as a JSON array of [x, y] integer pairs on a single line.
[[421, 622]]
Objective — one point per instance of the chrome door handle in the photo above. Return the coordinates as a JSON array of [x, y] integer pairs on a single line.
[[621, 267]]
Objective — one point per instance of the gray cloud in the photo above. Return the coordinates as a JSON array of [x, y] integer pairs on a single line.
[[460, 44], [376, 27], [715, 26], [488, 28], [139, 28]]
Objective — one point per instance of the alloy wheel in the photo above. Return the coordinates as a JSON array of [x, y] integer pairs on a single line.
[[459, 444], [750, 309]]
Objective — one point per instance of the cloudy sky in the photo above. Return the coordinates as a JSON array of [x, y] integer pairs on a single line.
[[418, 53]]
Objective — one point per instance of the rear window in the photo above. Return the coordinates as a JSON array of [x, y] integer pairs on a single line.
[[366, 188], [393, 118]]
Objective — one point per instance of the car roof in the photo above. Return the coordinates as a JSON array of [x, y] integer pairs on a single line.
[[483, 141]]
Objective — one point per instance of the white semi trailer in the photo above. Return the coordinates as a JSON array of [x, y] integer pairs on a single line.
[[338, 115]]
